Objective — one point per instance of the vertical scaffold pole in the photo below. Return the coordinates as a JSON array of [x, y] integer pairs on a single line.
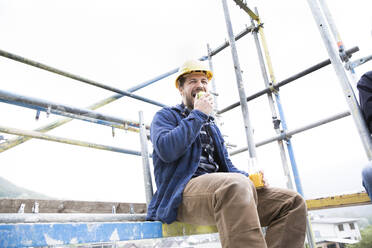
[[309, 232], [340, 44], [242, 96], [342, 77], [276, 121], [213, 83], [280, 109], [145, 160]]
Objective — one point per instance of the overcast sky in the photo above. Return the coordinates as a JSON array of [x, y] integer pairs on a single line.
[[124, 43]]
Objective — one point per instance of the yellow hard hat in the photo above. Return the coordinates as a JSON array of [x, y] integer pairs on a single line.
[[193, 66]]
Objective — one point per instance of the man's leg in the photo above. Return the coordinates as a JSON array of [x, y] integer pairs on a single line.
[[367, 178], [227, 200], [284, 213]]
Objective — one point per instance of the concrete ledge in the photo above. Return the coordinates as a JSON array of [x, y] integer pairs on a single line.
[[64, 206]]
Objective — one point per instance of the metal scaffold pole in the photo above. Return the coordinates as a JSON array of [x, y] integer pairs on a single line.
[[239, 80], [280, 109], [76, 77], [309, 233], [276, 121], [213, 83], [66, 110], [342, 77], [288, 134], [44, 136], [145, 160], [340, 44]]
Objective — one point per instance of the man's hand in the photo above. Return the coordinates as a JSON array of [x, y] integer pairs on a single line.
[[204, 103], [258, 179], [264, 179]]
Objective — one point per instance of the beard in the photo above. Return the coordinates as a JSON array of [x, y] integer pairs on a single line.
[[189, 102], [189, 97]]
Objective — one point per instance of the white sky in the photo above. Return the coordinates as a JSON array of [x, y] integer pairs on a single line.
[[124, 43]]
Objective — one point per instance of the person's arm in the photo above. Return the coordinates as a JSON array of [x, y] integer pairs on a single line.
[[170, 140], [365, 98]]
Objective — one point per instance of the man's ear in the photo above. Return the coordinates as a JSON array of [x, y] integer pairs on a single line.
[[180, 90]]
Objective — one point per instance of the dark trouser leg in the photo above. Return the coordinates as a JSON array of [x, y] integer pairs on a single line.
[[284, 213]]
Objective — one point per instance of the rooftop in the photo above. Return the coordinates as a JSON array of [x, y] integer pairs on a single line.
[[335, 220]]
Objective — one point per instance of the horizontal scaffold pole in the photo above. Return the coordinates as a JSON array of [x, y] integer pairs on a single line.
[[285, 135], [21, 139], [246, 31], [68, 111], [44, 136], [337, 201], [245, 7], [78, 78], [288, 80], [63, 218]]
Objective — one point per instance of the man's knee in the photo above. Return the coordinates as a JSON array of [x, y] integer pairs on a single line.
[[300, 202], [236, 187], [298, 208], [296, 200]]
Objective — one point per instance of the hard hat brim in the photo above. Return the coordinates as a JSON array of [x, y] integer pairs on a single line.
[[208, 73]]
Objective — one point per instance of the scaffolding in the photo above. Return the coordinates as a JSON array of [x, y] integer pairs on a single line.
[[339, 57]]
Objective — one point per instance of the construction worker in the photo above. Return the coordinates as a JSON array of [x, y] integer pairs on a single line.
[[365, 98], [198, 184]]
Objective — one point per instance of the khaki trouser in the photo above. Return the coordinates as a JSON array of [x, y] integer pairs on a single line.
[[231, 202]]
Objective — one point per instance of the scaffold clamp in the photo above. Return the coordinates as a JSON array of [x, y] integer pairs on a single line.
[[276, 123], [284, 136], [273, 89], [344, 56], [358, 62], [257, 28], [37, 115], [48, 111]]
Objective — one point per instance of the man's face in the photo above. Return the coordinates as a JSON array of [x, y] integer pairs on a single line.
[[194, 82]]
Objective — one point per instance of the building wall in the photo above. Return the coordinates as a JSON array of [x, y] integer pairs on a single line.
[[348, 232], [324, 230]]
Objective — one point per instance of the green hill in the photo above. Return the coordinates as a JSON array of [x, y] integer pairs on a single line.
[[10, 190]]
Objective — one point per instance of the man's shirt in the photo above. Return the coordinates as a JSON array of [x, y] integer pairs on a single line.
[[207, 162]]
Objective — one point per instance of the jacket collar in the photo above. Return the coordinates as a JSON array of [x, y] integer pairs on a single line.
[[184, 111], [181, 108]]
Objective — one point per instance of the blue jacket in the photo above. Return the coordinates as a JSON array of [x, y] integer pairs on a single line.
[[177, 150], [365, 97]]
